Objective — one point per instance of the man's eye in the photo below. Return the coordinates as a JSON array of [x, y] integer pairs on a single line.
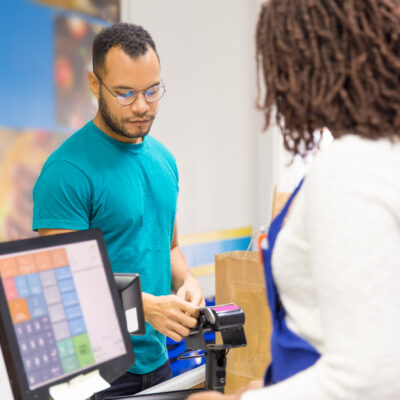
[[126, 94], [152, 91]]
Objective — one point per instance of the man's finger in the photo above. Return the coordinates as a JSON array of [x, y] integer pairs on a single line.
[[197, 300], [179, 329], [186, 320], [189, 308], [174, 336], [181, 293]]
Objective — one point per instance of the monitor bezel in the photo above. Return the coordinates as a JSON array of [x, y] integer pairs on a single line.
[[109, 370]]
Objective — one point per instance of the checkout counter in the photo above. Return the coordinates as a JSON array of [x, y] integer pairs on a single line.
[[54, 341]]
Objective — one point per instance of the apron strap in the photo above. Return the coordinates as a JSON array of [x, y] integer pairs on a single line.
[[276, 225]]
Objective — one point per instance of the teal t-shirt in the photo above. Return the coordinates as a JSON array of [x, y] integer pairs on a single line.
[[130, 192]]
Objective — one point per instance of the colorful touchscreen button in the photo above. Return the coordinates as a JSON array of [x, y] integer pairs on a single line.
[[47, 315]]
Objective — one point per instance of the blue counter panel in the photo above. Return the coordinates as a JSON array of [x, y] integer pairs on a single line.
[[204, 253]]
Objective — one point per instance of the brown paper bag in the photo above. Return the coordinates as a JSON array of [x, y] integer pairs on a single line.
[[279, 199], [239, 279]]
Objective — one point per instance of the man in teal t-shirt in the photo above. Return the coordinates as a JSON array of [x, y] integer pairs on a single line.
[[111, 175]]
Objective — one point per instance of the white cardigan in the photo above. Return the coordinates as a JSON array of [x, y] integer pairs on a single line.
[[337, 268]]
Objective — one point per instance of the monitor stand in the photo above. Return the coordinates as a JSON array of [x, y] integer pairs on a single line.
[[215, 371]]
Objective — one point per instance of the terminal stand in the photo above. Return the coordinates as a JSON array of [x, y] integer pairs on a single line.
[[227, 319]]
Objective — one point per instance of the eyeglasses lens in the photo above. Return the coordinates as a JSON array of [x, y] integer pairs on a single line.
[[151, 95]]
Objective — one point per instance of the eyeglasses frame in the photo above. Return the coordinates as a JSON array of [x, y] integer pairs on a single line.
[[161, 84]]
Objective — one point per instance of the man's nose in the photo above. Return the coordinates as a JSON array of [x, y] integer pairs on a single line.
[[140, 105]]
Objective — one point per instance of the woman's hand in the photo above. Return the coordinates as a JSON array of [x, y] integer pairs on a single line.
[[252, 385]]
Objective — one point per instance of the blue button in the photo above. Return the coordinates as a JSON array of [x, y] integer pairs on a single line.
[[63, 273], [34, 283], [56, 369], [73, 312], [70, 298], [19, 330], [37, 306], [66, 285], [77, 326], [22, 286]]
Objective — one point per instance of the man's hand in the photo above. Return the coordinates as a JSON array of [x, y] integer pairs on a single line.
[[257, 384], [170, 315], [191, 291]]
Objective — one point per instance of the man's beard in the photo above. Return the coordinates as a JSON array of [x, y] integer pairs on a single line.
[[117, 125]]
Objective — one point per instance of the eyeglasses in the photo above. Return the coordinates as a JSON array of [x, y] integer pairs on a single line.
[[125, 97]]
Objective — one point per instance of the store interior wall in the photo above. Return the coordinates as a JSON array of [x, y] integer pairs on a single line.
[[208, 117]]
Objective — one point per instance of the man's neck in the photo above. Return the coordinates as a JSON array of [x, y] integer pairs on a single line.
[[100, 123]]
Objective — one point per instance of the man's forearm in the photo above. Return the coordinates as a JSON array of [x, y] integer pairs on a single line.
[[180, 270], [184, 283]]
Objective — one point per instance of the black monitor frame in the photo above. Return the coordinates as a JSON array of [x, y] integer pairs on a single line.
[[109, 370]]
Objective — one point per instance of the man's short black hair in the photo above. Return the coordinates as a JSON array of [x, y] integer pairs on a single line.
[[133, 39]]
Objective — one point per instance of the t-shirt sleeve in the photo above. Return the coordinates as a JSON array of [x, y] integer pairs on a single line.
[[62, 198], [168, 158], [175, 168]]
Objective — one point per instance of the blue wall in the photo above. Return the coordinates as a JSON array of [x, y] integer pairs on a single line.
[[26, 69], [27, 45]]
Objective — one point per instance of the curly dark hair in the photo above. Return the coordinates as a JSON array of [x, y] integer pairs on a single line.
[[133, 39], [330, 64]]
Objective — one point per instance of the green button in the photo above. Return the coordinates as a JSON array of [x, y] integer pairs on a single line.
[[62, 349], [69, 344], [83, 349], [69, 364], [66, 348]]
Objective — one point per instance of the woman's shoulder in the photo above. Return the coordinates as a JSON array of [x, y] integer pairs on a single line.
[[356, 171], [352, 156]]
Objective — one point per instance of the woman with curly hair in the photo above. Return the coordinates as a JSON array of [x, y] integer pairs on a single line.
[[333, 269]]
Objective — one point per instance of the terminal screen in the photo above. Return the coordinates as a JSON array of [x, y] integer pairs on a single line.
[[61, 309]]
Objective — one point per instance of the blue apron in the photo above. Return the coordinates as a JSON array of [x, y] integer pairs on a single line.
[[289, 352]]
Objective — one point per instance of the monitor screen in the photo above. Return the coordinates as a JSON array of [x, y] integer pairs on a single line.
[[62, 310]]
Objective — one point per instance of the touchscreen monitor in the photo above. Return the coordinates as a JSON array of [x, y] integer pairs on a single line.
[[60, 312]]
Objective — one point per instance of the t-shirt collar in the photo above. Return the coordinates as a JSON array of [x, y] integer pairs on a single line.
[[122, 145]]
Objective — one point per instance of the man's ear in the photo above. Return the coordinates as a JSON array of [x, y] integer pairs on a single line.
[[94, 84]]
